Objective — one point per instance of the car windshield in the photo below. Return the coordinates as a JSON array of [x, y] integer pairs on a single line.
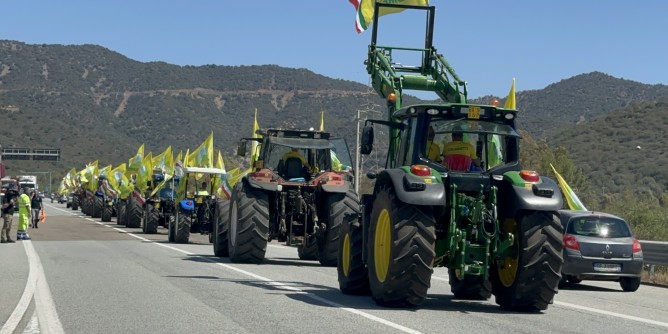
[[602, 227]]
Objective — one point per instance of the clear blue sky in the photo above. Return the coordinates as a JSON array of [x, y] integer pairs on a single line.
[[487, 42]]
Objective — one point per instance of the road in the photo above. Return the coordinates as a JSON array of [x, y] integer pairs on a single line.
[[78, 275]]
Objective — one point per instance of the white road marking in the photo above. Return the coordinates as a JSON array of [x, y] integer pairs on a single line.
[[285, 287], [613, 314], [33, 325], [361, 313], [38, 288]]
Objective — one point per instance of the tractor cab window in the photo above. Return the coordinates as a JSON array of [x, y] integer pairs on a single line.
[[468, 145]]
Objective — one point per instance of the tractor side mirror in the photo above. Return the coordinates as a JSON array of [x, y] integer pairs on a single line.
[[241, 148], [367, 140]]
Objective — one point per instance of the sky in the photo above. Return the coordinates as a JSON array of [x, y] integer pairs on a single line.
[[488, 43]]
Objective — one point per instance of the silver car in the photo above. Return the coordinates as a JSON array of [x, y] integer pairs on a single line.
[[600, 246]]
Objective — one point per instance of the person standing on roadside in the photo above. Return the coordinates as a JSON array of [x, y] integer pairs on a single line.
[[24, 215], [8, 204], [35, 206]]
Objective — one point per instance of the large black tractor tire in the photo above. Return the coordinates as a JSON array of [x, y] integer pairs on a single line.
[[353, 273], [338, 206], [249, 224], [121, 207], [98, 204], [469, 288], [221, 229], [75, 203], [182, 233], [105, 215], [528, 280], [171, 229], [308, 250], [401, 250], [133, 213], [85, 206], [150, 219]]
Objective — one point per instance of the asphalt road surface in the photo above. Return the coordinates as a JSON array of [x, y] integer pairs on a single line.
[[78, 275]]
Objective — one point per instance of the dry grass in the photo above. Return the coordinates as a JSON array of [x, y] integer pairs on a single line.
[[660, 276]]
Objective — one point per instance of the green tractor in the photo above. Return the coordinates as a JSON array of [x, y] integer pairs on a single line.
[[466, 205]]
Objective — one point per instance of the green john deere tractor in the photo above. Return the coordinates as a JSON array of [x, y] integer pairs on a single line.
[[452, 194]]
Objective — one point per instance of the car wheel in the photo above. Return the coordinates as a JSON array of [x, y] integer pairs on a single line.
[[629, 284]]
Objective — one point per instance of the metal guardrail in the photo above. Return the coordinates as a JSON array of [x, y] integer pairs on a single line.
[[655, 252]]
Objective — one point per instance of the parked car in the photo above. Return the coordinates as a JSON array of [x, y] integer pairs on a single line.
[[600, 246]]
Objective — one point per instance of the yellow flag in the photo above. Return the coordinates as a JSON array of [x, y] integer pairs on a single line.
[[203, 155], [255, 152], [572, 199], [218, 179], [164, 162], [365, 10], [322, 121], [145, 173], [510, 100], [136, 160]]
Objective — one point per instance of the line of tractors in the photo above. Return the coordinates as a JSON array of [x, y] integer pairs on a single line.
[[479, 214]]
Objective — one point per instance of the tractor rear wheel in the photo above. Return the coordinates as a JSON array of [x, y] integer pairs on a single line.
[[171, 229], [528, 278], [308, 250], [182, 233], [221, 227], [105, 216], [98, 203], [470, 288], [338, 206], [401, 250], [121, 208], [133, 213], [352, 271], [151, 217], [249, 224]]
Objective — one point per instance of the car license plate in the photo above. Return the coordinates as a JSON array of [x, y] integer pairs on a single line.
[[608, 267]]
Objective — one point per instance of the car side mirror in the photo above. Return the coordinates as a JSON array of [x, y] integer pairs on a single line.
[[241, 148], [367, 140]]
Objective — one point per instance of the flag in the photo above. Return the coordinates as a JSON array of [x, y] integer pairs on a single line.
[[144, 173], [91, 174], [365, 10], [495, 156], [202, 156], [136, 161], [254, 144], [164, 162], [571, 198], [322, 121], [120, 182], [218, 179], [510, 100], [225, 189], [178, 164]]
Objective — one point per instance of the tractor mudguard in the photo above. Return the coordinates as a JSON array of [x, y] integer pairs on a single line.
[[412, 189], [99, 194], [528, 198], [187, 205], [336, 189], [273, 187]]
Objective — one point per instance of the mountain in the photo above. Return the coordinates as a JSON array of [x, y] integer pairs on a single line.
[[93, 103], [579, 99], [626, 149]]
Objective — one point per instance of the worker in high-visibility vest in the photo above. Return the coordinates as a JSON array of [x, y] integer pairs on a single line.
[[24, 215]]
